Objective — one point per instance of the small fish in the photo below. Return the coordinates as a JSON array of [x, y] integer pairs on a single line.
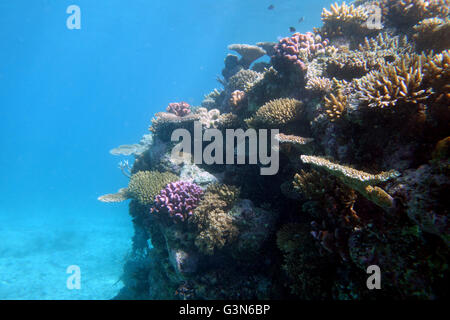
[[292, 29], [271, 7], [301, 19]]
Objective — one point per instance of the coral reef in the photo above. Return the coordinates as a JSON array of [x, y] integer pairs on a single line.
[[347, 93]]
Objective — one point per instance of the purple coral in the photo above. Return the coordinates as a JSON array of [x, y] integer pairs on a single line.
[[179, 199], [180, 109], [289, 48]]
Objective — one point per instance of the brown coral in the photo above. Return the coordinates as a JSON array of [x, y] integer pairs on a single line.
[[215, 226], [145, 185], [395, 84], [432, 34], [407, 13], [319, 85], [344, 20], [335, 106]]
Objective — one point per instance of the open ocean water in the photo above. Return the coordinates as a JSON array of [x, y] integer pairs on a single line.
[[69, 96]]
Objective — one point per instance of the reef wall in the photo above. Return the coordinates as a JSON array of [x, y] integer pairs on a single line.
[[363, 114]]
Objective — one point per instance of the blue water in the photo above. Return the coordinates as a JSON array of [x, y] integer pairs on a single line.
[[68, 96]]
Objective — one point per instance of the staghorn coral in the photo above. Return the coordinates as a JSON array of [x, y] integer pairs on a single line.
[[276, 113], [406, 13], [359, 180], [437, 75], [432, 34], [248, 53], [395, 84], [178, 199], [215, 226], [370, 55], [335, 106], [179, 109], [145, 185], [344, 20]]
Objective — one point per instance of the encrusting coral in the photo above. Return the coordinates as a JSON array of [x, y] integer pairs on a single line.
[[215, 226], [276, 113]]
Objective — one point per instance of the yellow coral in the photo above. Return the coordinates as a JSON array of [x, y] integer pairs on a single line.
[[335, 105], [394, 84], [320, 85], [276, 113], [343, 19], [437, 75], [406, 13], [145, 185]]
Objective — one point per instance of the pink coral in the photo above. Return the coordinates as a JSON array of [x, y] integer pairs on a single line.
[[178, 199], [180, 109], [299, 46]]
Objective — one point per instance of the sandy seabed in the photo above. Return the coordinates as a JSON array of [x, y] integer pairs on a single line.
[[35, 255]]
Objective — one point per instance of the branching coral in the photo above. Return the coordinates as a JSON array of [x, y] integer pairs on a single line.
[[237, 99], [179, 109], [297, 50], [406, 13], [215, 226], [276, 113], [178, 199], [395, 84], [335, 106], [437, 75], [432, 34], [359, 180], [372, 54], [343, 19], [145, 185]]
